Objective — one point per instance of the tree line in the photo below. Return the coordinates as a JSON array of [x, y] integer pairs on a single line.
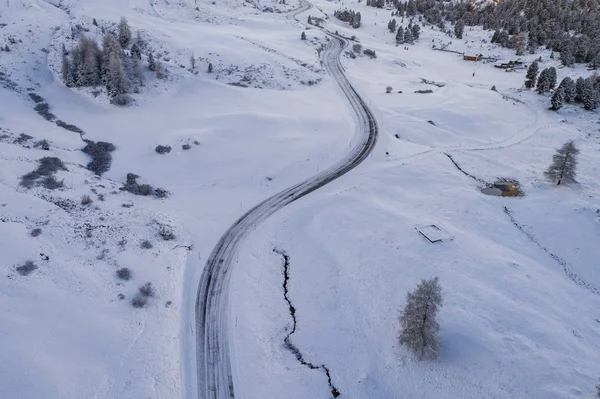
[[585, 91], [567, 27], [88, 65]]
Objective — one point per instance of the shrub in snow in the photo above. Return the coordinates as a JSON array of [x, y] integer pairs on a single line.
[[124, 274], [44, 110], [146, 290], [166, 233], [163, 149], [370, 53], [44, 174], [43, 144], [419, 328], [139, 301], [146, 244], [121, 100], [36, 98], [388, 89], [186, 147], [86, 200], [27, 268], [36, 232], [100, 154]]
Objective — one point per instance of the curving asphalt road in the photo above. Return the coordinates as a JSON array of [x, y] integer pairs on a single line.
[[215, 379]]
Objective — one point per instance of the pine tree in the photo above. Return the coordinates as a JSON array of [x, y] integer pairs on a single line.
[[140, 41], [151, 62], [521, 43], [116, 79], [543, 82], [309, 21], [531, 76], [416, 31], [419, 327], [94, 22], [210, 67], [589, 96], [303, 36], [557, 99], [137, 72], [136, 52], [392, 25], [66, 71], [568, 86], [459, 28], [564, 164], [124, 33], [400, 35], [551, 78], [408, 37], [160, 70], [90, 62], [355, 22], [193, 62], [110, 46], [579, 89]]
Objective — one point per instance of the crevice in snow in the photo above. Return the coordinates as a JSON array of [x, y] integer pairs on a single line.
[[566, 267], [288, 343], [477, 179]]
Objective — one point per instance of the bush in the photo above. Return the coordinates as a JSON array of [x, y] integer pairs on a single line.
[[357, 48], [388, 89], [139, 301], [370, 53], [124, 274], [27, 268], [163, 149], [37, 99], [66, 126], [121, 100], [43, 144], [186, 147], [44, 110], [424, 91], [86, 200], [146, 290], [100, 154], [166, 233], [146, 244], [36, 232], [131, 185], [44, 174], [22, 138]]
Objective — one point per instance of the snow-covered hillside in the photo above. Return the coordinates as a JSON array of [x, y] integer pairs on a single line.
[[520, 278]]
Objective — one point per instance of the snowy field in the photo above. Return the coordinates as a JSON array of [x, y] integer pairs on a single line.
[[520, 277]]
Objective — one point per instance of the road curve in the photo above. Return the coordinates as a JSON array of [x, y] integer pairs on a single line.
[[215, 380]]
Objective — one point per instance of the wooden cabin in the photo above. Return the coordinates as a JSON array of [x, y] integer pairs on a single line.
[[471, 57]]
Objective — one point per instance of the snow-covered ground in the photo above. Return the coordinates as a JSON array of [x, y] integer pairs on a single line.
[[514, 324]]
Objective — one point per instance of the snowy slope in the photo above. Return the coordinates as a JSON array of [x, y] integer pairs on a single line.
[[520, 318]]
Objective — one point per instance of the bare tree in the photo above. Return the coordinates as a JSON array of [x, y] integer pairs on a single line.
[[419, 328], [564, 164]]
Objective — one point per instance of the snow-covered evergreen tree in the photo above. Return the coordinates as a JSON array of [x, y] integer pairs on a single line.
[[66, 71], [419, 328], [589, 95], [543, 82], [210, 68], [392, 25], [160, 70], [303, 36], [355, 23], [580, 83], [124, 33], [115, 79], [552, 78], [558, 98], [531, 76], [400, 35], [136, 52], [568, 87], [564, 164], [459, 28], [408, 37], [416, 31], [151, 62]]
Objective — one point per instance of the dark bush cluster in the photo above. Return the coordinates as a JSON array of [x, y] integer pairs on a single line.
[[131, 185], [44, 174], [100, 154], [141, 298], [163, 149], [44, 110], [166, 233], [124, 274], [27, 268], [66, 126]]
